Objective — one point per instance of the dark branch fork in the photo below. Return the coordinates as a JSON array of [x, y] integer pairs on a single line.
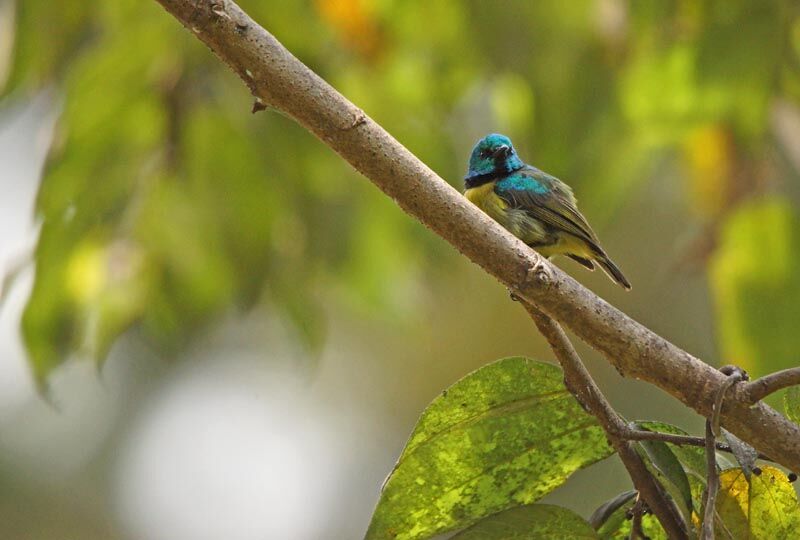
[[580, 383], [280, 81]]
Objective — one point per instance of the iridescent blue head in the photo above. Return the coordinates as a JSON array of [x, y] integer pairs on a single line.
[[492, 157]]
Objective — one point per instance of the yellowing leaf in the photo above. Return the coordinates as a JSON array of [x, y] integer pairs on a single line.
[[708, 153], [86, 272], [765, 508]]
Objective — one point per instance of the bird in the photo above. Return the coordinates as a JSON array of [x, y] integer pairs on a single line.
[[534, 206]]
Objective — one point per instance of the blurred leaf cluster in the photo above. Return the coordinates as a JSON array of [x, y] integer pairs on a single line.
[[164, 204]]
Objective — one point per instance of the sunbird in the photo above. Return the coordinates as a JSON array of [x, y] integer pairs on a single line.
[[537, 208]]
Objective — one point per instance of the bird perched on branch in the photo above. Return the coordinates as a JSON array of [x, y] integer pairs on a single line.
[[534, 206]]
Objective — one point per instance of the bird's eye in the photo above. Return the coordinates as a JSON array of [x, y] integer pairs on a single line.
[[485, 153]]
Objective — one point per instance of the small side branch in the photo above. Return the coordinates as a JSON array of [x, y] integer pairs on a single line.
[[769, 384], [735, 375], [680, 440], [712, 484], [637, 512], [580, 383]]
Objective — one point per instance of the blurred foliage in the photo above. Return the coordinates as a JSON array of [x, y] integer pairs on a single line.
[[164, 204], [759, 296], [504, 435], [791, 404]]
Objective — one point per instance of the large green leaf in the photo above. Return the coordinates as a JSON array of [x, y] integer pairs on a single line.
[[534, 522], [504, 435], [766, 507], [756, 286]]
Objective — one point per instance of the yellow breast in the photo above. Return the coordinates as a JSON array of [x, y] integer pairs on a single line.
[[517, 221], [487, 200]]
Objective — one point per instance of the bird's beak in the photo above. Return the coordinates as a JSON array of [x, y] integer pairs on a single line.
[[502, 151]]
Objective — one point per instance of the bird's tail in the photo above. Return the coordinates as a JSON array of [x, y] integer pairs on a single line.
[[612, 270]]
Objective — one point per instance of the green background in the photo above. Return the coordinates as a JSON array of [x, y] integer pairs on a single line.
[[177, 230]]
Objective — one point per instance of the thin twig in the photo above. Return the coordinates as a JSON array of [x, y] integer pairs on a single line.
[[637, 511], [768, 384], [734, 375], [580, 383], [712, 484], [680, 440]]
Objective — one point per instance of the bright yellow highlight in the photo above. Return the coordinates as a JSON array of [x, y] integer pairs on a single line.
[[86, 273], [707, 151]]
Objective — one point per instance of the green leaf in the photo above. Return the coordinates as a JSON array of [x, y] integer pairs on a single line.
[[758, 298], [693, 461], [670, 473], [764, 508], [534, 522], [791, 404], [669, 470], [692, 458], [504, 435]]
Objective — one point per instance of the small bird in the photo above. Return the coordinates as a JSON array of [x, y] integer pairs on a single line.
[[534, 206]]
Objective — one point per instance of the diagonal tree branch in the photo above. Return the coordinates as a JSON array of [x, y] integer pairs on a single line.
[[281, 81]]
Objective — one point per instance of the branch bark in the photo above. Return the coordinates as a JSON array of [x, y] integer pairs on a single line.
[[712, 485], [578, 380], [281, 81], [680, 440], [766, 385]]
